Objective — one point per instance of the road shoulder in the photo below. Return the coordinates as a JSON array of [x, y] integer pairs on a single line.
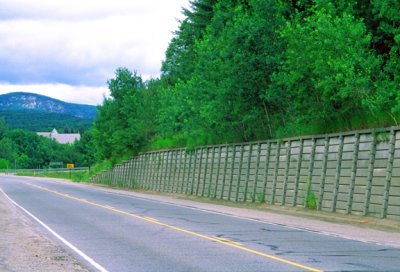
[[24, 246]]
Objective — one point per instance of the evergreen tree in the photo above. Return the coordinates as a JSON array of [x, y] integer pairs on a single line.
[[180, 56]]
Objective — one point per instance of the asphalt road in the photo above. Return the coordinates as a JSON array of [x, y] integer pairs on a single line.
[[118, 232]]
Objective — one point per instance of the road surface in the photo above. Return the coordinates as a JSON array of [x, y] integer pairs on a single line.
[[110, 231]]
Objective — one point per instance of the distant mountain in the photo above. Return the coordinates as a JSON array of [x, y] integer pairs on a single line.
[[30, 102]]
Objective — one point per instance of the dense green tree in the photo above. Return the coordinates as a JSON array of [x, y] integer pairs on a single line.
[[234, 68], [4, 164], [176, 112], [7, 148], [22, 161], [180, 56], [3, 127], [328, 73], [86, 148], [30, 149], [125, 120], [26, 149], [234, 58], [244, 70], [387, 14]]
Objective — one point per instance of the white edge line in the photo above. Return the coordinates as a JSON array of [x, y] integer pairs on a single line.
[[71, 246]]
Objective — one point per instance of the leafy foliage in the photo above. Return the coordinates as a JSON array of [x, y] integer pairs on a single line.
[[247, 70], [25, 149], [124, 121], [338, 81]]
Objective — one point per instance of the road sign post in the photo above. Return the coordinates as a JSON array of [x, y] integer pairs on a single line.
[[70, 166]]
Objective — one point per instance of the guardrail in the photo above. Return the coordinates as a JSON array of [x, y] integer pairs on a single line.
[[43, 170]]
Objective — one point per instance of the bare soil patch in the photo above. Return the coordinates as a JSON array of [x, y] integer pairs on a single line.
[[25, 247]]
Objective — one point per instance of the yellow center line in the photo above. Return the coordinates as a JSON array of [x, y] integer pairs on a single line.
[[155, 221], [228, 241], [150, 218]]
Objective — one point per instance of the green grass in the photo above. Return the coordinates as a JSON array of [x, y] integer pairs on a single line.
[[184, 140], [310, 199], [100, 166], [76, 176], [355, 122], [260, 197], [176, 141]]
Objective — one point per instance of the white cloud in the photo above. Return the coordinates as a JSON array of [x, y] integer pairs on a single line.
[[75, 42], [78, 9]]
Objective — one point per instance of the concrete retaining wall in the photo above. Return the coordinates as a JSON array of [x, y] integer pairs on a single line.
[[356, 172]]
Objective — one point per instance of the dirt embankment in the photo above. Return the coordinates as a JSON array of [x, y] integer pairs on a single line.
[[25, 247]]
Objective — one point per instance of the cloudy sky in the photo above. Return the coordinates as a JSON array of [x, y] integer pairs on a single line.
[[68, 49]]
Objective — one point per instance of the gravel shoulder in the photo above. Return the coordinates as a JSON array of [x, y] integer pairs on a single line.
[[25, 247]]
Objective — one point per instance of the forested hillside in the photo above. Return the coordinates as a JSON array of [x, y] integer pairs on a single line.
[[243, 70], [43, 121]]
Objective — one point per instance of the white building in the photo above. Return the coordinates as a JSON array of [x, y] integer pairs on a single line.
[[68, 138]]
